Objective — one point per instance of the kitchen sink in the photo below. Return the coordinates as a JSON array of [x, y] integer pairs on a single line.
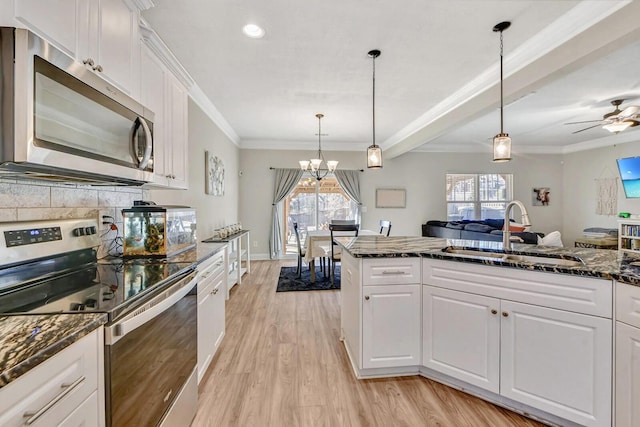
[[507, 257]]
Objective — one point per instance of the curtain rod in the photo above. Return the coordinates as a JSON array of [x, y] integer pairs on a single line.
[[272, 168]]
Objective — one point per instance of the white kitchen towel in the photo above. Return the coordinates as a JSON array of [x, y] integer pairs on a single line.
[[607, 196]]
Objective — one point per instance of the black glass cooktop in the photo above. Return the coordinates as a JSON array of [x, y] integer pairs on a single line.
[[114, 286]]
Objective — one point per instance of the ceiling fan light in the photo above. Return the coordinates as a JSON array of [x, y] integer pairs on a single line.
[[501, 148], [374, 157], [332, 165], [304, 164], [616, 127]]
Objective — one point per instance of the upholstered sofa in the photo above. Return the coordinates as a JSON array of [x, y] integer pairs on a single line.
[[488, 229]]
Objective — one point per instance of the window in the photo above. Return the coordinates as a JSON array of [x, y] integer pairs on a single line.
[[313, 204], [478, 196]]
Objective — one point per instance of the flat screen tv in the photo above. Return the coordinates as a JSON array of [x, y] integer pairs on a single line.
[[629, 168]]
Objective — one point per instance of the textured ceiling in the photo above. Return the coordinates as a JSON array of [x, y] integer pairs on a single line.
[[436, 80]]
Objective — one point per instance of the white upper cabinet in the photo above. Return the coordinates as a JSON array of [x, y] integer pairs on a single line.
[[153, 94], [102, 34], [54, 20], [108, 42], [176, 151]]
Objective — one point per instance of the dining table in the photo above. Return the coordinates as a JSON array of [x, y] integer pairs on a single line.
[[318, 245]]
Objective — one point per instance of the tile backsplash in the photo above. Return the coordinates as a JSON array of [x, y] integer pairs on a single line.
[[26, 200]]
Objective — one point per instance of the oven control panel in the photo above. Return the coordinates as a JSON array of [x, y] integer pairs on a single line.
[[21, 241], [32, 235]]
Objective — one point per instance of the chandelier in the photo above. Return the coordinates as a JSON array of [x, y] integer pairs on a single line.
[[315, 164], [502, 141]]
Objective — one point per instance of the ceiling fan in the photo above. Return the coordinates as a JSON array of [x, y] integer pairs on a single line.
[[615, 121]]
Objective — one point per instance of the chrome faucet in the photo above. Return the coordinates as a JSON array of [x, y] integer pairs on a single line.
[[506, 234]]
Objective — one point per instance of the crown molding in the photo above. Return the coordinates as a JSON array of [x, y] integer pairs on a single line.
[[151, 39], [574, 22], [205, 104], [607, 141]]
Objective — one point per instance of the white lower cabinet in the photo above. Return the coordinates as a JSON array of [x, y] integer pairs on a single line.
[[557, 361], [627, 355], [461, 336], [381, 312], [211, 310], [65, 390], [487, 334], [391, 326]]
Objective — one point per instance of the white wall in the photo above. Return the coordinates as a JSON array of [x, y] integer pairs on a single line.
[[421, 174], [581, 170], [212, 211]]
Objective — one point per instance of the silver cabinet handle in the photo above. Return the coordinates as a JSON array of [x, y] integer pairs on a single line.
[[32, 417], [215, 291], [366, 297], [395, 272], [494, 311], [89, 62], [505, 314], [97, 68]]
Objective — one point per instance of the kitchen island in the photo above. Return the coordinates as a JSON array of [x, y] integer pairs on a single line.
[[530, 329]]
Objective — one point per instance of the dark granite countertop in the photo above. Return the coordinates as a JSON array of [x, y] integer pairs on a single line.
[[28, 340], [604, 263]]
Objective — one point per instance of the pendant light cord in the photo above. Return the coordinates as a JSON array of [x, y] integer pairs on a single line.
[[501, 91], [374, 101]]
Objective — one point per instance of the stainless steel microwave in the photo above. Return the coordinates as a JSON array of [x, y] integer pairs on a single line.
[[60, 121]]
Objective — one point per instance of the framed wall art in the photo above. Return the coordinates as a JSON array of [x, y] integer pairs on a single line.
[[541, 196], [214, 168], [391, 198]]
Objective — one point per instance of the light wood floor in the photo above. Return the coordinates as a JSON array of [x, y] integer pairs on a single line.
[[281, 363]]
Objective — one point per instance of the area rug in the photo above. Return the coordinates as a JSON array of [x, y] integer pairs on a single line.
[[289, 280]]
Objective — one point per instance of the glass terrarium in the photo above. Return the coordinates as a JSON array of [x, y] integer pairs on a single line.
[[158, 231]]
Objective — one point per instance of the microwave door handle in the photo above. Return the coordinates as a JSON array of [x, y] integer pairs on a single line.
[[142, 163]]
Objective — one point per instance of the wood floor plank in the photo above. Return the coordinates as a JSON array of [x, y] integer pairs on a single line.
[[281, 363]]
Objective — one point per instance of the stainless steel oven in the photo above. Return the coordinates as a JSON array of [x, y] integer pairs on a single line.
[[61, 121], [151, 356], [151, 333]]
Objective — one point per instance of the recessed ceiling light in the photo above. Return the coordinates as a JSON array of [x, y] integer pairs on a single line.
[[254, 31]]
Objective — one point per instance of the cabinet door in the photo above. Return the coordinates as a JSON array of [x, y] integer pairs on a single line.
[[54, 20], [218, 307], [461, 336], [627, 375], [206, 318], [177, 116], [153, 96], [84, 415], [118, 44], [557, 361], [391, 326]]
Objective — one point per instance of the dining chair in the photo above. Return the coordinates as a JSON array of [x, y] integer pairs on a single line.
[[343, 221], [384, 224], [301, 251], [341, 230]]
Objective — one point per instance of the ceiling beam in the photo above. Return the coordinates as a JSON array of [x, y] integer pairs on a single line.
[[606, 26]]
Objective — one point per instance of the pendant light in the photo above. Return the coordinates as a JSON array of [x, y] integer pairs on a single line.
[[374, 152], [315, 164], [501, 142]]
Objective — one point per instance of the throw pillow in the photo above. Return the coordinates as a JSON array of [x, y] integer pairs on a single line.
[[551, 239]]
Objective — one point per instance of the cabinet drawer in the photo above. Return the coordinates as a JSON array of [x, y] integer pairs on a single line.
[[55, 388], [391, 271], [211, 266], [565, 292], [628, 304]]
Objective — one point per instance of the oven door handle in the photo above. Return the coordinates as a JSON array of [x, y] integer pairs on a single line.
[[148, 312]]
